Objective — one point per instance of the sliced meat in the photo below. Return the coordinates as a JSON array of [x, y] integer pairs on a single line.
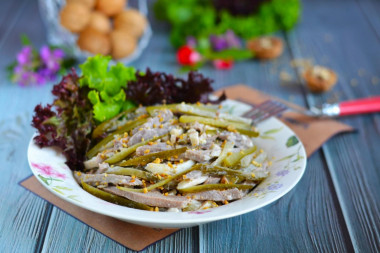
[[162, 117], [105, 179], [119, 143], [152, 198], [197, 126], [241, 141], [103, 167], [198, 155], [216, 195], [161, 146], [165, 114], [207, 141], [146, 134], [93, 162], [99, 158], [212, 180], [141, 110]]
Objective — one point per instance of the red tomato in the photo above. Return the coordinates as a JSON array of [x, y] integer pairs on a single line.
[[187, 56]]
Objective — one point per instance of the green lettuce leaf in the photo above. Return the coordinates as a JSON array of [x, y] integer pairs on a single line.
[[107, 86]]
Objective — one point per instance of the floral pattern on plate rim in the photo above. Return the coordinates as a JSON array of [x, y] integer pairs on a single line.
[[55, 179]]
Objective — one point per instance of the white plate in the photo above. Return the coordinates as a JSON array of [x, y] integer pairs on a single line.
[[281, 144]]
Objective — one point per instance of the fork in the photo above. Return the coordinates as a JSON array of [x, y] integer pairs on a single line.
[[272, 107]]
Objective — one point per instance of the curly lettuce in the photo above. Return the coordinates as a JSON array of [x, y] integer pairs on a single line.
[[68, 122], [107, 85]]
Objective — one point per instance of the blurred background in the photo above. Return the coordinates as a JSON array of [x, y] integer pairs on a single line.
[[340, 35]]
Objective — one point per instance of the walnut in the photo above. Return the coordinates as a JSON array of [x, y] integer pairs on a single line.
[[320, 79], [266, 47]]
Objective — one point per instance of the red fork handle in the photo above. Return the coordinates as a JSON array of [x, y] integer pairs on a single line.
[[365, 105]]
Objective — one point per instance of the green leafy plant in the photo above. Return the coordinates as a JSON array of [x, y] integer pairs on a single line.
[[200, 19], [107, 86]]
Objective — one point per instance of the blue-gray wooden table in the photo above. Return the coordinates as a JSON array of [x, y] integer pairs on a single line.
[[334, 208]]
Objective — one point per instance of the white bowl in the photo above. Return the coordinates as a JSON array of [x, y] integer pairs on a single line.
[[281, 144]]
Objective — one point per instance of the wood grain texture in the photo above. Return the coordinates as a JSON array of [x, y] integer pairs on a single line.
[[371, 10], [288, 225], [335, 207], [83, 238], [352, 159], [22, 215], [307, 219]]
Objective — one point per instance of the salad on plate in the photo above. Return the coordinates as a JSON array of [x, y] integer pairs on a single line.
[[150, 141]]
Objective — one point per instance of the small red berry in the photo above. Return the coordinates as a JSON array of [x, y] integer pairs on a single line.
[[187, 56], [223, 64]]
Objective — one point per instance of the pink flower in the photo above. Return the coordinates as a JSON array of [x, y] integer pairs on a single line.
[[47, 170], [24, 57]]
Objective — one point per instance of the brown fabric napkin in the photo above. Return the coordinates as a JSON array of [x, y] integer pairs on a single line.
[[312, 132], [130, 235]]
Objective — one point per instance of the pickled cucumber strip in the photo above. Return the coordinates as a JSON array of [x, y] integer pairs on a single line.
[[208, 187], [151, 109], [196, 110], [211, 113], [141, 160], [227, 148], [105, 142], [230, 126], [223, 171], [127, 151], [162, 182], [234, 158], [127, 171], [175, 108], [114, 198], [103, 127]]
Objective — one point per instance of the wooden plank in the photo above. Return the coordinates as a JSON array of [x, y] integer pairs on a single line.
[[344, 41], [78, 237], [7, 7], [22, 215], [10, 18], [307, 219], [371, 10]]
